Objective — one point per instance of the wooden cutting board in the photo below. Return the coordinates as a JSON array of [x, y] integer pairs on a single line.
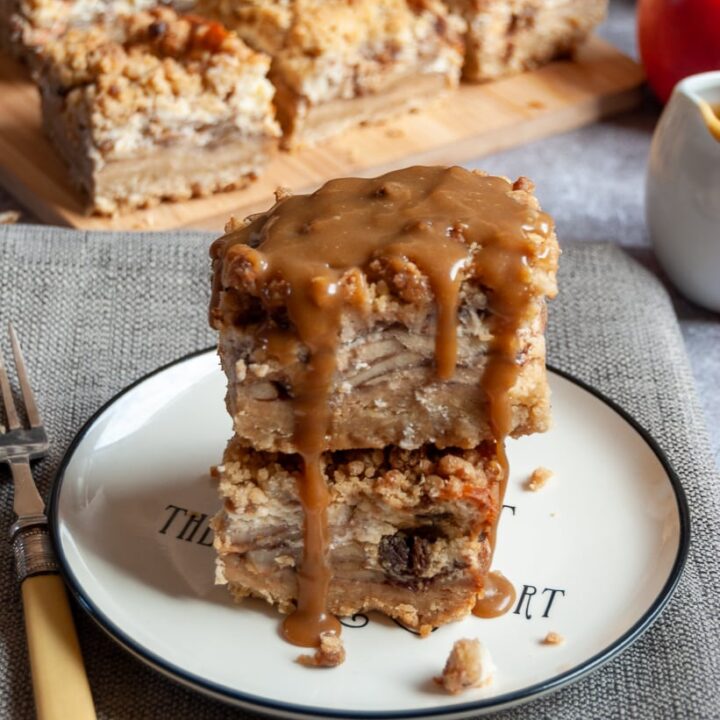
[[472, 121]]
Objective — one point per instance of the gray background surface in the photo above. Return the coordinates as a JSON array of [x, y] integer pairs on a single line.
[[592, 182]]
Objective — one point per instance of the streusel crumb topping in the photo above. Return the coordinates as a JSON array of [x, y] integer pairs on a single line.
[[138, 43]]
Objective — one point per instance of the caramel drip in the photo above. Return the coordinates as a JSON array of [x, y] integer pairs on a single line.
[[504, 269], [312, 256], [499, 596], [711, 115], [311, 617], [445, 277], [499, 378], [317, 320]]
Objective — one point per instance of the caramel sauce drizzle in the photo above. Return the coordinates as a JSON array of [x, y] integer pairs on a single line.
[[311, 250]]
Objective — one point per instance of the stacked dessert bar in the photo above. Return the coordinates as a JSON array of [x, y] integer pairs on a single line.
[[381, 338]]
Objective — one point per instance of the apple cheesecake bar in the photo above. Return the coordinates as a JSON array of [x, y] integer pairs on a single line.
[[156, 106], [354, 325], [510, 36], [337, 63], [408, 530], [385, 388]]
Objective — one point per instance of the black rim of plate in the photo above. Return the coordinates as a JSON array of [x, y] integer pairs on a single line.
[[268, 705]]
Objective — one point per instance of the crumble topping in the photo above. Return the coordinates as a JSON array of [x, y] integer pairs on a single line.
[[392, 286], [36, 22], [401, 478]]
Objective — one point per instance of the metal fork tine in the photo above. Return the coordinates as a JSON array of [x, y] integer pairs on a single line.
[[31, 408], [13, 420]]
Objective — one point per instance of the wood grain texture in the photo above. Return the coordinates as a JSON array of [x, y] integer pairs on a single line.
[[467, 123]]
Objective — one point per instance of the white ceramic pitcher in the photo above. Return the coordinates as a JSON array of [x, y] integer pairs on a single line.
[[682, 201]]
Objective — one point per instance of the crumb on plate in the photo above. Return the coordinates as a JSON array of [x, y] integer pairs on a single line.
[[539, 478], [553, 638], [469, 665], [331, 652]]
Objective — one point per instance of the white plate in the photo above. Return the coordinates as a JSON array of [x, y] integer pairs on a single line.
[[594, 555]]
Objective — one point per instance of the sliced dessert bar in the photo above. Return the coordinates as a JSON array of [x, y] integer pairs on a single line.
[[408, 531], [394, 320], [337, 63], [510, 36], [156, 106]]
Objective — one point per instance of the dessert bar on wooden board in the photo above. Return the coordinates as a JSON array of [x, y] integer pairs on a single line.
[[338, 64], [160, 106], [562, 95]]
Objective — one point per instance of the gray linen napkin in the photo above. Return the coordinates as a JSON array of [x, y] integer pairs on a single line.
[[96, 311]]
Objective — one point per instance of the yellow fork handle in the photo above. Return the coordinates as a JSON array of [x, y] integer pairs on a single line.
[[60, 684]]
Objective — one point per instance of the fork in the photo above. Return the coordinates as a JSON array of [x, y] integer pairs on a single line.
[[60, 684]]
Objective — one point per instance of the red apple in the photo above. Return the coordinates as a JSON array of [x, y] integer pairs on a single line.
[[678, 38]]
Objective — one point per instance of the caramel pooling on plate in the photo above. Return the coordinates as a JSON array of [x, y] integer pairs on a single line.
[[308, 254]]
